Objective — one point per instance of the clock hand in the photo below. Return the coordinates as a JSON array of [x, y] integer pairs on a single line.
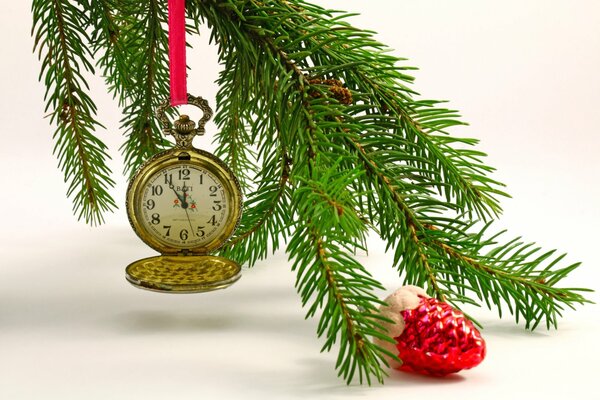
[[182, 200], [184, 203], [185, 207], [190, 222]]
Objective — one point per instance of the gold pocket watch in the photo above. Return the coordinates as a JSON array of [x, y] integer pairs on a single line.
[[185, 203]]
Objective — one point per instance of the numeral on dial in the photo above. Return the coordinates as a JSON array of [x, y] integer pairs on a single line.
[[213, 191], [150, 204], [157, 190], [184, 174], [155, 219], [213, 220], [217, 206], [183, 235], [200, 232], [169, 179], [168, 228]]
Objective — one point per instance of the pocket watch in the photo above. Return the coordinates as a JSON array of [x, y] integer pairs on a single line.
[[184, 203]]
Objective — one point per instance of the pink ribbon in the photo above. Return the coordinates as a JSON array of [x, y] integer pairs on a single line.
[[177, 62]]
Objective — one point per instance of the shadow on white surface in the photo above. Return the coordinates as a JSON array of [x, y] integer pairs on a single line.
[[172, 322]]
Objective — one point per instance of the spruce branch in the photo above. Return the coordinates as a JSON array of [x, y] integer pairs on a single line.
[[111, 52], [130, 43], [265, 220], [345, 293], [404, 151], [330, 280], [59, 38], [438, 252], [335, 47], [147, 68], [233, 139], [515, 274], [398, 225]]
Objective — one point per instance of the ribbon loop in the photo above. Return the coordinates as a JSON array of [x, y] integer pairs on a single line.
[[177, 50]]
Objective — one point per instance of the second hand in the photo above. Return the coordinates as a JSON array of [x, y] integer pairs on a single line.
[[185, 208]]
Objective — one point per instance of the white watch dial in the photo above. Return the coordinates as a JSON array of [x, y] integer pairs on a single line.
[[184, 206]]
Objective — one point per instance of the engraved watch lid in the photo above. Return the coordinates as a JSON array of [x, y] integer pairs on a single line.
[[183, 274]]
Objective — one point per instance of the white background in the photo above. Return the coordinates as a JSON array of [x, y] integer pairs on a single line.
[[526, 77]]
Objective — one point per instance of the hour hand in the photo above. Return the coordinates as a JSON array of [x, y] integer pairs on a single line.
[[184, 202], [181, 198]]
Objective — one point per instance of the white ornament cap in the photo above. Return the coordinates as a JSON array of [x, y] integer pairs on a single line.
[[405, 298]]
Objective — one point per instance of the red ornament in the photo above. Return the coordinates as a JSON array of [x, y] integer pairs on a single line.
[[431, 337], [438, 340]]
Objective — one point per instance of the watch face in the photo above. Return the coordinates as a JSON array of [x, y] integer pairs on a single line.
[[184, 206], [184, 202]]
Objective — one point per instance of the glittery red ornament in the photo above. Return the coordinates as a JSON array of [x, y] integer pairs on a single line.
[[438, 340]]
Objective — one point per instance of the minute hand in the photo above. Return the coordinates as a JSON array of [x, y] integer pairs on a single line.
[[185, 207], [181, 198]]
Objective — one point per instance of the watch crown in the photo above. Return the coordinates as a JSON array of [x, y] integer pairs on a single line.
[[184, 124]]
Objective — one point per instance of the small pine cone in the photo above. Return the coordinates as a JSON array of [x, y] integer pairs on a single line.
[[336, 88], [341, 94]]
